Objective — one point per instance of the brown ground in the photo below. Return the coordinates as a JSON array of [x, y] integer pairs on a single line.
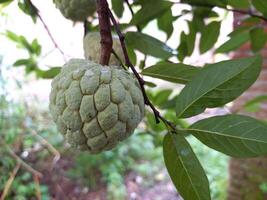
[[61, 187]]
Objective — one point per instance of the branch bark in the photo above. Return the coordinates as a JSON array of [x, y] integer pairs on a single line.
[[105, 31]]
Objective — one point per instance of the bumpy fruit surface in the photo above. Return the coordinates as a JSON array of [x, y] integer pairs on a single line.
[[76, 10], [92, 48], [95, 106]]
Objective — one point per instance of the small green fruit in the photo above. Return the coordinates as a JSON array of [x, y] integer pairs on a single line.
[[95, 106], [92, 48], [76, 10]]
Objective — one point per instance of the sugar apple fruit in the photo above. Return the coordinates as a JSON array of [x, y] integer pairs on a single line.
[[95, 106], [76, 10], [92, 48]]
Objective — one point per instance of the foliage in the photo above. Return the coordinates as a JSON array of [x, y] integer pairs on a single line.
[[213, 85], [114, 165]]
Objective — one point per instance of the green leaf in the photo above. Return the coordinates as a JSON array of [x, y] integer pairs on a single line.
[[253, 105], [258, 39], [161, 97], [214, 3], [22, 62], [234, 42], [217, 84], [185, 169], [150, 11], [260, 5], [187, 41], [165, 22], [238, 3], [176, 73], [209, 36], [148, 45], [48, 74], [234, 135], [36, 47], [6, 1], [117, 7]]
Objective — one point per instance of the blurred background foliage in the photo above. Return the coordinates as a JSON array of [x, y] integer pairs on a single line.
[[27, 131]]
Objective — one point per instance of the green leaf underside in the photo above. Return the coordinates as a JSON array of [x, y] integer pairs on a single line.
[[209, 36], [260, 5], [176, 73], [217, 84], [150, 11], [184, 168], [148, 45], [234, 135]]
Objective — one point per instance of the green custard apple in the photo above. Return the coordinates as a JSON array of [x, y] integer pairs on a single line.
[[95, 106], [76, 10], [92, 48]]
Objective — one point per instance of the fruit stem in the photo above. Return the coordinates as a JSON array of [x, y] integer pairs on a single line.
[[105, 31]]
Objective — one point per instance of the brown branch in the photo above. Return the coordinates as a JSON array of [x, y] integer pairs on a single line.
[[49, 146], [10, 181], [141, 81], [23, 164], [245, 12], [105, 31], [37, 185]]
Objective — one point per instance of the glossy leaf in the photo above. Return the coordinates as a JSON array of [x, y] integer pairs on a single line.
[[148, 45], [234, 135], [209, 36], [234, 42], [217, 84], [176, 73], [185, 169]]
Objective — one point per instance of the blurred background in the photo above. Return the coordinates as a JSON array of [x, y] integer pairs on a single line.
[[35, 163]]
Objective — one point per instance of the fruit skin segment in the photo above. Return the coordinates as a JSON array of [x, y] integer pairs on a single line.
[[95, 106], [92, 48], [76, 10]]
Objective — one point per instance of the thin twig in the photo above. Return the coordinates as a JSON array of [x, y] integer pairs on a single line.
[[37, 185], [105, 31], [128, 63], [245, 12], [46, 28], [23, 164], [132, 12], [10, 181], [49, 146]]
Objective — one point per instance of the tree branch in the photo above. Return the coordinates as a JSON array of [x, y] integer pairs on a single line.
[[128, 63], [245, 12], [105, 31]]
